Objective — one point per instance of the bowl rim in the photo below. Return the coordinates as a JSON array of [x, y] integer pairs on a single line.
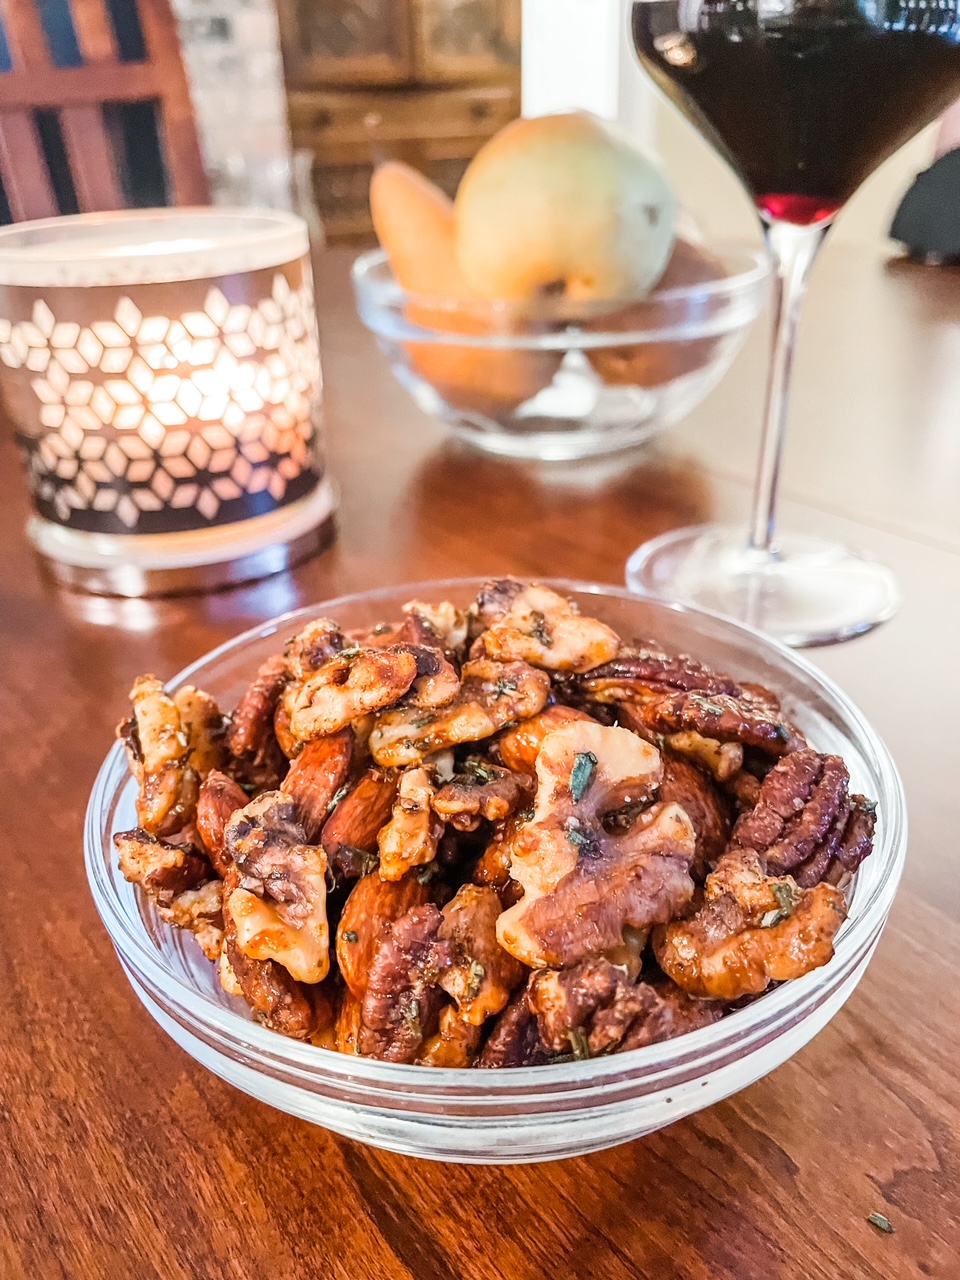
[[684, 312], [867, 916]]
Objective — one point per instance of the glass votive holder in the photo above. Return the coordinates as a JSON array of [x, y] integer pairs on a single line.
[[162, 372]]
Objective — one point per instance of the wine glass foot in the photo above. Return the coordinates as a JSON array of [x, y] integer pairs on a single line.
[[811, 592]]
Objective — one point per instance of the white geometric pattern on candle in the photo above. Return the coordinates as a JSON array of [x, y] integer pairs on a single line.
[[188, 412]]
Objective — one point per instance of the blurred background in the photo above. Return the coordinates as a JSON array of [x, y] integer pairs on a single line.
[[428, 81], [296, 101]]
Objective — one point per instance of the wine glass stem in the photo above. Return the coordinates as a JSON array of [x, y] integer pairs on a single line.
[[793, 249]]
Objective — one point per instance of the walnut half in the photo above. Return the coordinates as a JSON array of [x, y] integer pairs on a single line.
[[752, 930], [278, 912]]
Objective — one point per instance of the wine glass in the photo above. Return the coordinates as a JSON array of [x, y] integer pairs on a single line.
[[804, 98]]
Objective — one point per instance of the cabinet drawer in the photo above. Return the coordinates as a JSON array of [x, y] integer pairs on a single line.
[[319, 118]]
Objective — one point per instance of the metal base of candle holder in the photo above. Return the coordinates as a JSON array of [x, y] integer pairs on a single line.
[[167, 564]]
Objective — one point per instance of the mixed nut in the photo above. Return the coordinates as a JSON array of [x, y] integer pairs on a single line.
[[497, 838]]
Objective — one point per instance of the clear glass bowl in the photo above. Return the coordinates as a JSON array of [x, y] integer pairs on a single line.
[[537, 1113], [557, 379]]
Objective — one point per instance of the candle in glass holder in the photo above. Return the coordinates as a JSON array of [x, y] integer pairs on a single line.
[[162, 372]]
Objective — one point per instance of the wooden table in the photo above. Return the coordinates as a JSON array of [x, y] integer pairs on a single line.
[[123, 1160]]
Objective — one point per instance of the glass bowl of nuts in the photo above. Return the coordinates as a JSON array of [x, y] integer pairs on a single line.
[[495, 872]]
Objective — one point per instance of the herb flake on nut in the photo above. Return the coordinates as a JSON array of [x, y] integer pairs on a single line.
[[881, 1222], [475, 976], [539, 629], [338, 796], [579, 1043], [581, 775], [787, 895]]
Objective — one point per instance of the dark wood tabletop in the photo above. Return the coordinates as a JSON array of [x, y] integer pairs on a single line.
[[125, 1160]]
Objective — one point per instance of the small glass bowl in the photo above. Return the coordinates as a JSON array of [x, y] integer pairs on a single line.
[[558, 379], [536, 1113]]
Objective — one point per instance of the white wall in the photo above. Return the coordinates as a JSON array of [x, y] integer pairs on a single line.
[[575, 56]]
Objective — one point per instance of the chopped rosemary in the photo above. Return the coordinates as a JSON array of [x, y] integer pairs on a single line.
[[579, 838], [481, 772], [787, 895], [421, 722], [581, 775], [475, 976], [351, 935], [783, 733], [411, 1016], [526, 815], [427, 874], [367, 859], [506, 686], [338, 796], [579, 1043], [712, 708], [539, 629], [881, 1222]]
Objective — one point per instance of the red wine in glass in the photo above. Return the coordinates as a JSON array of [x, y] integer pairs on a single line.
[[805, 98]]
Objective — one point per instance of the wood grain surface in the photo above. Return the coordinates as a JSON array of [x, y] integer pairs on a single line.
[[124, 1160]]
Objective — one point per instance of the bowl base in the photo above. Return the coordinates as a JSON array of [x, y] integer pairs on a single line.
[[165, 564]]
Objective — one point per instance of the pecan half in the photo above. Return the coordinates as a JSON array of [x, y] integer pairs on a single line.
[[723, 717], [250, 735], [805, 822], [402, 1002], [643, 670]]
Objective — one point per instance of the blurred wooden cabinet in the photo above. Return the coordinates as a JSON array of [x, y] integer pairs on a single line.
[[426, 81]]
